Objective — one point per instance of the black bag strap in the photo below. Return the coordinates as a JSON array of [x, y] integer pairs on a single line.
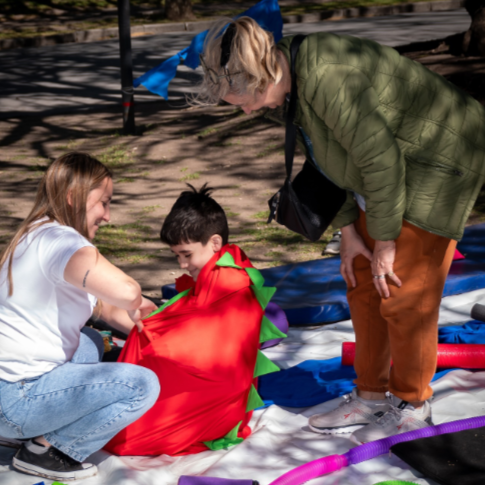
[[290, 135]]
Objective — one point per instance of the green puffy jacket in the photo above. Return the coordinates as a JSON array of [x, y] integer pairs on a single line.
[[383, 126]]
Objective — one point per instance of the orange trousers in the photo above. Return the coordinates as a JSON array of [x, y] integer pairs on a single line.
[[403, 327]]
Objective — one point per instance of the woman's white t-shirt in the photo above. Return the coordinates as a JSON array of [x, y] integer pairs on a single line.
[[40, 323]]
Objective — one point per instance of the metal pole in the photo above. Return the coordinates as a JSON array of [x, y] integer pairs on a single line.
[[126, 67]]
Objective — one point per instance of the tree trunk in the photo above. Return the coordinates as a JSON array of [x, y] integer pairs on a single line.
[[474, 39], [179, 10]]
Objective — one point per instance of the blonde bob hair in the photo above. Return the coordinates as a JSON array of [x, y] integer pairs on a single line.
[[253, 55], [61, 196]]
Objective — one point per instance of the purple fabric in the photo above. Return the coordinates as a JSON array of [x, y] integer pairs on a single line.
[[188, 480], [380, 447], [278, 318]]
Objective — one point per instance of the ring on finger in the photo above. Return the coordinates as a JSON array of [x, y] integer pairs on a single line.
[[391, 273], [379, 276]]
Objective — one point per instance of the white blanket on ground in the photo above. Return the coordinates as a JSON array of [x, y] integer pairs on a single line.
[[281, 439]]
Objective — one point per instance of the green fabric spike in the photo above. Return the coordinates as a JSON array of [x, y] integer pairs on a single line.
[[256, 277], [230, 439], [227, 261], [254, 401], [169, 302], [269, 331], [263, 294], [264, 365]]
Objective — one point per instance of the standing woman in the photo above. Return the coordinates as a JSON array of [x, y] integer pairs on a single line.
[[409, 148], [54, 392]]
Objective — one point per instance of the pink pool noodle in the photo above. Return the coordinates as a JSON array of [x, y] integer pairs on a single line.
[[465, 356], [314, 469], [371, 450]]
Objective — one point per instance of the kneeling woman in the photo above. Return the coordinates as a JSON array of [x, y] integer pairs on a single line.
[[54, 392]]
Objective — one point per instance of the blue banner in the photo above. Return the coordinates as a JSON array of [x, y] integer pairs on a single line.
[[268, 15]]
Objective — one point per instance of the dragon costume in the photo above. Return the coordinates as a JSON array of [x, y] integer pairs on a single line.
[[203, 344]]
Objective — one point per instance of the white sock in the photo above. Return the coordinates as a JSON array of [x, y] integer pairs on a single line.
[[370, 402], [35, 447]]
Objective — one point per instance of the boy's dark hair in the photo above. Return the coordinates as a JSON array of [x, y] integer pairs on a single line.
[[195, 217]]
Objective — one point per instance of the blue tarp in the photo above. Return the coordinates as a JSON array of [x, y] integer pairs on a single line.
[[316, 381], [310, 383], [314, 292], [470, 333]]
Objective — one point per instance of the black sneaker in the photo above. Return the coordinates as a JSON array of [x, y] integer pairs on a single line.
[[52, 463]]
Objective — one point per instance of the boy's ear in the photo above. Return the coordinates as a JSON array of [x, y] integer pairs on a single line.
[[216, 242]]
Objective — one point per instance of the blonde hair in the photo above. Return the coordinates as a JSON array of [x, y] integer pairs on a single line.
[[253, 54], [72, 176]]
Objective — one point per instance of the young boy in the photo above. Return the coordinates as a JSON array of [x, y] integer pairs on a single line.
[[195, 229], [204, 343]]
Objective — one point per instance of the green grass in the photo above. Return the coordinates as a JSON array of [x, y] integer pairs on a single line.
[[150, 208], [278, 243], [70, 145], [124, 241], [116, 156], [190, 176], [207, 131], [229, 212], [263, 215]]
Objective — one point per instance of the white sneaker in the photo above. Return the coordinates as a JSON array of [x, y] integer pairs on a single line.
[[352, 414], [333, 247], [10, 442], [400, 418]]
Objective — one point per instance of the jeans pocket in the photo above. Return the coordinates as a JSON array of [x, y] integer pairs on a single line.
[[26, 385]]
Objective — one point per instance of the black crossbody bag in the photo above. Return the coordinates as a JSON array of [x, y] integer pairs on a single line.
[[309, 203]]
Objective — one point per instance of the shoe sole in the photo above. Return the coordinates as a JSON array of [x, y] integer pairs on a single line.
[[331, 251], [42, 472], [356, 441], [343, 430]]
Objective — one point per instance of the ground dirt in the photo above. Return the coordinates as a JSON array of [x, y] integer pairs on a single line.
[[241, 157]]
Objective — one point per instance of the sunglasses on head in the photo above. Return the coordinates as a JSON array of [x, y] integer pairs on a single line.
[[213, 76], [226, 42]]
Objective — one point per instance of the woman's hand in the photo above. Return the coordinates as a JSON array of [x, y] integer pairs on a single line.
[[382, 264], [350, 247], [146, 307]]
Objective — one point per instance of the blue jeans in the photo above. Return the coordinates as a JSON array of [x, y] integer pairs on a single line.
[[79, 406]]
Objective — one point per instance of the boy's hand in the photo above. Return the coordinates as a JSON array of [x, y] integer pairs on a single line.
[[146, 307]]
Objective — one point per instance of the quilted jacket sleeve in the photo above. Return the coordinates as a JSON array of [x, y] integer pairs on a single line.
[[347, 214], [344, 99]]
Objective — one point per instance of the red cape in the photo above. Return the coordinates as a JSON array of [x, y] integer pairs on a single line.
[[203, 345]]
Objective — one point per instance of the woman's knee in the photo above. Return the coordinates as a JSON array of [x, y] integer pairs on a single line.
[[145, 380]]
